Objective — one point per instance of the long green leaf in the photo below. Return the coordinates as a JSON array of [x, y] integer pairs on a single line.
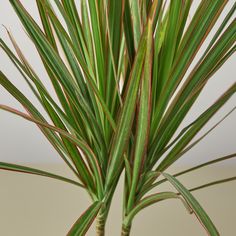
[[143, 123], [87, 31], [136, 18], [125, 120], [28, 170], [169, 44], [114, 26], [82, 225], [221, 159], [213, 183], [46, 24], [147, 202], [98, 44], [198, 210], [128, 31]]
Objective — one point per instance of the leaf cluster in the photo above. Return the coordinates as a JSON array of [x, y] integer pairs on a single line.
[[123, 76]]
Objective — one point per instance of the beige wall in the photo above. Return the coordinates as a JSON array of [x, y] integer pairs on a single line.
[[37, 206]]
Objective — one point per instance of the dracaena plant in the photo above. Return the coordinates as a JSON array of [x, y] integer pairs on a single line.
[[122, 74]]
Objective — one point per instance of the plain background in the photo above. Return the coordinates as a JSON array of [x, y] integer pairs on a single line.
[[36, 206]]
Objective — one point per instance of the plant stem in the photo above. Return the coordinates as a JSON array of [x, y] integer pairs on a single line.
[[100, 226], [101, 222], [125, 230]]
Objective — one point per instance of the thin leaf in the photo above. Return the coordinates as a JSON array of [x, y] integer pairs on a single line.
[[148, 201], [98, 45], [125, 120], [46, 24], [113, 27], [128, 31], [87, 31], [136, 17], [82, 225], [143, 123], [213, 183], [128, 172], [225, 158], [169, 44], [198, 210], [28, 170]]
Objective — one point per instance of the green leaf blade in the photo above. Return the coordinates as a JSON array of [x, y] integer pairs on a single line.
[[122, 133], [33, 171], [82, 225], [198, 210], [143, 120]]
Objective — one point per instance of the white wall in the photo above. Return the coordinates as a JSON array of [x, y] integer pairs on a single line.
[[21, 141]]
